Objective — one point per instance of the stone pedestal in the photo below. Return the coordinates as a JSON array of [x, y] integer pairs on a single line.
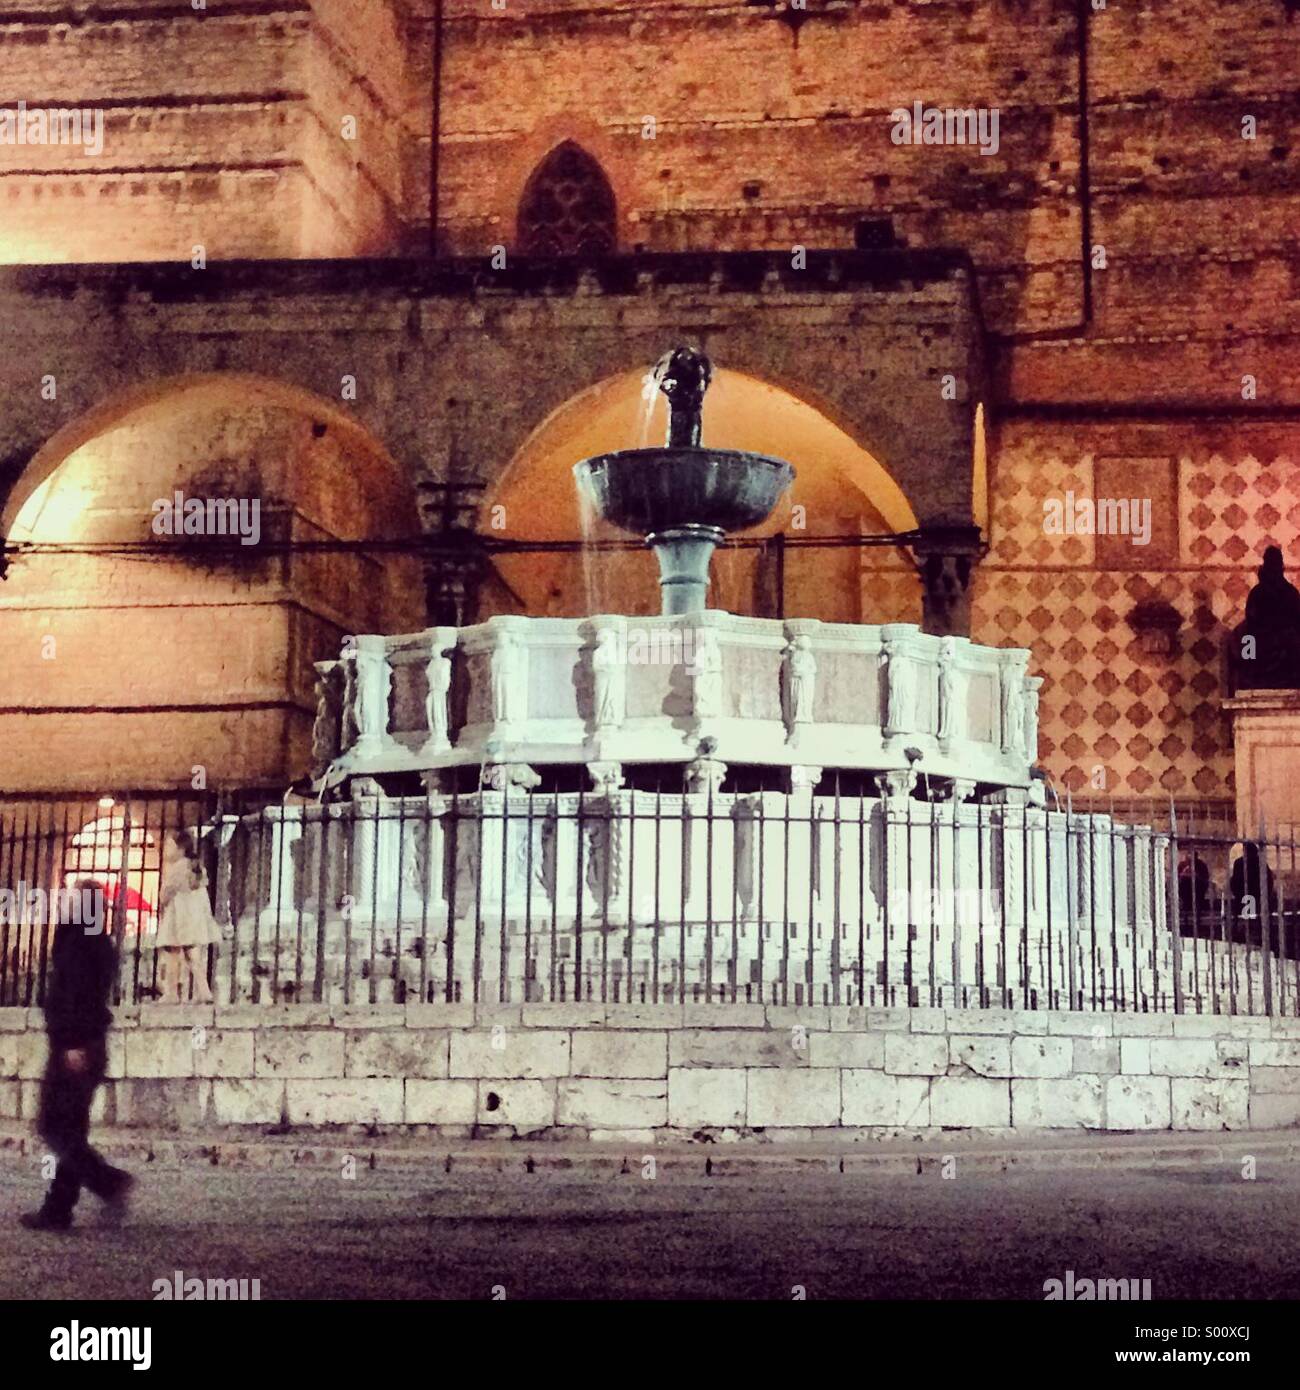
[[1266, 742]]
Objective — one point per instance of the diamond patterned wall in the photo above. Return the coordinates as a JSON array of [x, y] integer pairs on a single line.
[[1121, 695]]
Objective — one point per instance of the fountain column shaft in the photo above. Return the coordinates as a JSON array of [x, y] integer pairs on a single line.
[[684, 553]]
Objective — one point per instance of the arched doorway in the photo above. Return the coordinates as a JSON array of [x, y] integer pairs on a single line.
[[840, 490], [184, 553]]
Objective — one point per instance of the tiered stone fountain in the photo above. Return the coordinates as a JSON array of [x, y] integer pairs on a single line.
[[681, 887]]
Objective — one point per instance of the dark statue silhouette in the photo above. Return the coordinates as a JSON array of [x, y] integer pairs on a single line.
[[1266, 647]]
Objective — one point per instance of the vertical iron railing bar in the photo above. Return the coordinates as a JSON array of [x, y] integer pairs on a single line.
[[323, 904]]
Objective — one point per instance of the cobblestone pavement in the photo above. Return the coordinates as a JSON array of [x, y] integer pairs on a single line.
[[1198, 1231]]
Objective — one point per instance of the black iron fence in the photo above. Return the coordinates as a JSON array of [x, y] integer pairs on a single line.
[[628, 896]]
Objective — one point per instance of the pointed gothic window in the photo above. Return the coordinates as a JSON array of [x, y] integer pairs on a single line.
[[568, 207]]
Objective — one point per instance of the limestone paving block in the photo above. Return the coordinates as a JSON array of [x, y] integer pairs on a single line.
[[511, 1052], [1274, 1081], [1274, 1110], [847, 1018], [158, 1052], [778, 1097], [1262, 1054], [989, 1055], [33, 1055], [440, 1016], [806, 1016], [846, 1050], [1233, 1055], [523, 1104], [176, 1016], [928, 1020], [916, 1054], [644, 1015], [562, 1016], [499, 1015], [268, 1016], [876, 1098], [440, 1102], [703, 1047], [1080, 1023], [364, 1015], [889, 1021], [968, 1022], [11, 1100], [724, 1016], [293, 1052], [161, 1102], [701, 1097], [970, 1102], [1147, 1025], [619, 1054], [1193, 1057], [13, 1020], [396, 1052], [1059, 1102], [22, 1055], [343, 1101], [1096, 1054], [1138, 1102], [612, 1104], [247, 1101], [1034, 1057], [1221, 1026], [1210, 1103], [1135, 1056], [221, 1052]]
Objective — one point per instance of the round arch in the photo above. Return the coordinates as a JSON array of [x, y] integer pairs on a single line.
[[177, 394], [164, 656], [840, 488]]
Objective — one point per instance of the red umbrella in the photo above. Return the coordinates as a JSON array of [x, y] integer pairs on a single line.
[[134, 901]]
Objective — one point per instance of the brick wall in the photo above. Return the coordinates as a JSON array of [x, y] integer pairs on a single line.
[[661, 1071]]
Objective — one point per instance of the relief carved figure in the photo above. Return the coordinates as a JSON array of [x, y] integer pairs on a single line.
[[1013, 708], [901, 673], [1032, 687], [327, 731], [508, 689], [706, 674], [438, 673], [948, 679], [374, 680], [609, 679], [800, 682]]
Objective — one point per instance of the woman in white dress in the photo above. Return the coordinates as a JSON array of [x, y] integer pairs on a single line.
[[186, 928]]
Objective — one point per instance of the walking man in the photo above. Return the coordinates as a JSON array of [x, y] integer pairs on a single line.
[[83, 966]]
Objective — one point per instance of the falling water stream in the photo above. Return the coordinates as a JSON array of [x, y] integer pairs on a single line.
[[595, 564]]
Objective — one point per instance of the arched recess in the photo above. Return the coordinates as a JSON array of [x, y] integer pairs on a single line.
[[148, 656], [840, 489], [567, 207]]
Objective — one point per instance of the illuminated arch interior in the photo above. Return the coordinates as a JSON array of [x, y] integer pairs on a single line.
[[163, 657], [840, 489], [316, 475]]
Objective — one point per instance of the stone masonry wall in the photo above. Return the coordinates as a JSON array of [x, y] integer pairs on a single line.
[[658, 1072]]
